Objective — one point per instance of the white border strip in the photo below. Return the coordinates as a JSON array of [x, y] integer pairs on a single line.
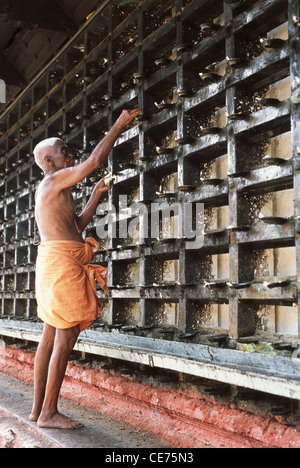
[[234, 375]]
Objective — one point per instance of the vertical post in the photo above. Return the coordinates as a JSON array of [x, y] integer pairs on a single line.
[[182, 317], [294, 41], [110, 113], [142, 104], [110, 159], [64, 91], [241, 317], [84, 97], [47, 102]]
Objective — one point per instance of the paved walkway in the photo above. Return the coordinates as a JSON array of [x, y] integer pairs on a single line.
[[99, 431]]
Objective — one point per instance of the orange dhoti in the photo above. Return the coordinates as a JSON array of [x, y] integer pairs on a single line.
[[65, 283]]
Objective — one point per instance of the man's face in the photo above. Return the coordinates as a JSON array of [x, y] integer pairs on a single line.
[[62, 157]]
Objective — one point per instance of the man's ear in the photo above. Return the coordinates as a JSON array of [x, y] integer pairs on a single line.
[[48, 160]]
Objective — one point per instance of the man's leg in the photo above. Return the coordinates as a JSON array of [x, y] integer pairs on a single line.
[[41, 366], [63, 345]]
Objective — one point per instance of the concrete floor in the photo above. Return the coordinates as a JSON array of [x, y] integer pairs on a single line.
[[99, 431]]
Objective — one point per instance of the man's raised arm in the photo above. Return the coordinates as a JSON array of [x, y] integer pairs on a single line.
[[71, 176]]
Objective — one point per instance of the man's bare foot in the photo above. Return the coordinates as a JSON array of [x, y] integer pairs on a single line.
[[33, 416], [35, 413], [58, 421]]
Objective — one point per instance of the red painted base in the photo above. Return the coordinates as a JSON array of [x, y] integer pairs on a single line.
[[186, 420]]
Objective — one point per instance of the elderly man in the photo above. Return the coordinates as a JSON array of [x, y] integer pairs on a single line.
[[65, 279]]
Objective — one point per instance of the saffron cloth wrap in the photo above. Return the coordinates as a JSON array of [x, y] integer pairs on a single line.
[[66, 283]]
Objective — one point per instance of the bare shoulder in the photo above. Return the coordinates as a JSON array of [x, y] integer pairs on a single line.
[[47, 188]]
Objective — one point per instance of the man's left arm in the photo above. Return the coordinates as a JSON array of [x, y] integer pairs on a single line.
[[84, 219]]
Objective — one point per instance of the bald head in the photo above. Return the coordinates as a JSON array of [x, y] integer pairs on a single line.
[[40, 151]]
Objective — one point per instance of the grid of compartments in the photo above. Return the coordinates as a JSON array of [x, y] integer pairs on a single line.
[[218, 82]]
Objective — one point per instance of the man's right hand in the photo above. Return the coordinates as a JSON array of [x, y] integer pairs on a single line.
[[127, 117], [70, 176]]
